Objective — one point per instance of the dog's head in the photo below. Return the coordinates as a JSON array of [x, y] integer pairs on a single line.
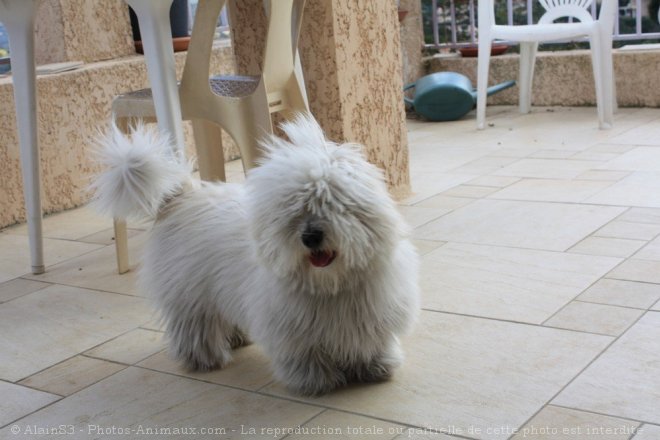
[[320, 213]]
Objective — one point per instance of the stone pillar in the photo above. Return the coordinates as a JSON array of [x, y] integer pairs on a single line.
[[82, 30], [412, 40], [351, 56]]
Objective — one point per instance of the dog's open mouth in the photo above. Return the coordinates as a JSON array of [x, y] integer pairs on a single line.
[[322, 258]]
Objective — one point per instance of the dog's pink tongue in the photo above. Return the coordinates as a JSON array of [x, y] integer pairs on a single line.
[[321, 258]]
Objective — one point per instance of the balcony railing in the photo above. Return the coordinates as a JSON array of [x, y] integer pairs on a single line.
[[452, 23]]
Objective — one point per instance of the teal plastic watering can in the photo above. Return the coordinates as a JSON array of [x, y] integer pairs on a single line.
[[446, 96]]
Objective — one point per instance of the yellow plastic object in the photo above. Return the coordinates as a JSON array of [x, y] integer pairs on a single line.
[[599, 33], [241, 105]]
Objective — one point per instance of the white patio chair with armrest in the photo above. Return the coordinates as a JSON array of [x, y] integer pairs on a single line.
[[242, 105], [598, 31]]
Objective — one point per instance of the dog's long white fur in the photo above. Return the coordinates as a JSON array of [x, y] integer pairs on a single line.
[[140, 172], [226, 262]]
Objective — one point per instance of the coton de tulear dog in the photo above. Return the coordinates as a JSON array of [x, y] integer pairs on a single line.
[[309, 257]]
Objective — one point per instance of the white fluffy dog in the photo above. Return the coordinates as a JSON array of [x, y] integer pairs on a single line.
[[309, 258]]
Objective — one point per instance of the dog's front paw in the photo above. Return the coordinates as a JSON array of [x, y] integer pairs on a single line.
[[310, 375], [238, 339], [378, 369], [317, 385]]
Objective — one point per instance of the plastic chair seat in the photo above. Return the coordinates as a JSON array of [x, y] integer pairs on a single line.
[[234, 86], [228, 86], [530, 32]]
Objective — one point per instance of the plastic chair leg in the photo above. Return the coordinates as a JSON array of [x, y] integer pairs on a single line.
[[598, 65], [210, 157], [247, 138], [121, 245], [527, 62], [609, 82], [119, 225], [20, 27], [153, 17], [482, 80]]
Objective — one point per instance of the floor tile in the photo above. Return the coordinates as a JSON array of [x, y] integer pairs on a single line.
[[648, 432], [444, 202], [250, 369], [625, 380], [646, 134], [549, 190], [131, 347], [622, 293], [641, 189], [485, 165], [605, 175], [72, 375], [53, 324], [513, 152], [97, 270], [595, 156], [629, 230], [533, 225], [552, 154], [155, 324], [464, 372], [471, 191], [611, 148], [595, 318], [495, 181], [637, 270], [434, 158], [135, 399], [554, 423], [609, 247], [15, 254], [68, 225], [425, 246], [650, 252], [19, 287], [547, 168], [637, 159], [514, 284], [18, 401], [337, 425], [641, 215], [425, 185], [417, 215]]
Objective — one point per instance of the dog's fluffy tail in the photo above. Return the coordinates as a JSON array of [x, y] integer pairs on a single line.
[[140, 173]]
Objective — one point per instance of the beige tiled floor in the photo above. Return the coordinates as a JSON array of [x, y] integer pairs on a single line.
[[540, 247]]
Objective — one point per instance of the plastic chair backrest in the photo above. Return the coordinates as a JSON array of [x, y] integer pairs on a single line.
[[565, 8], [284, 20], [198, 59], [555, 9]]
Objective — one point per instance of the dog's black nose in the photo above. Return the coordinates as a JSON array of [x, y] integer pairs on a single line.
[[312, 238]]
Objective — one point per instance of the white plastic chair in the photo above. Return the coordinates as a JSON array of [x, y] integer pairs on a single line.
[[598, 31], [242, 105]]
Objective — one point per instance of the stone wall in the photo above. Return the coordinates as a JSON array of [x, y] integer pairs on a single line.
[[82, 30], [565, 78]]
